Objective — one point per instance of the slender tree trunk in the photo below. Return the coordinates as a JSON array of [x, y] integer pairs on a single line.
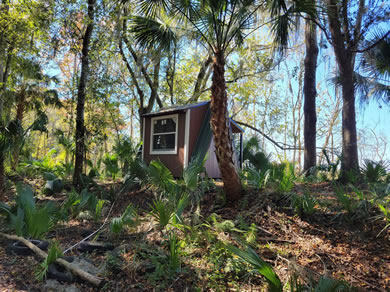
[[329, 135], [2, 177], [80, 128], [19, 116], [202, 76], [310, 92], [3, 78], [220, 126]]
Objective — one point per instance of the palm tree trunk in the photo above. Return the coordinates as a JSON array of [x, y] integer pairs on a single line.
[[345, 57], [310, 93], [349, 161], [220, 126], [80, 128]]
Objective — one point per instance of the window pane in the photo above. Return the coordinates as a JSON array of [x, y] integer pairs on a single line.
[[165, 125], [164, 142]]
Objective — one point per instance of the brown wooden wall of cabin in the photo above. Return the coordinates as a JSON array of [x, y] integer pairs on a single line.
[[173, 161]]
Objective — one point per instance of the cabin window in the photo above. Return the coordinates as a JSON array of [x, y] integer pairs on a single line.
[[164, 135]]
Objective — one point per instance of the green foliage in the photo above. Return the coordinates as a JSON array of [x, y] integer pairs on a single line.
[[326, 284], [250, 256], [128, 218], [304, 205], [46, 167], [191, 174], [85, 201], [284, 175], [328, 168], [175, 195], [28, 218], [5, 209], [111, 164], [70, 206], [174, 256], [10, 135], [386, 215], [161, 177], [53, 254], [251, 234], [162, 212], [137, 174], [98, 209], [348, 203], [256, 178], [374, 171], [253, 154], [126, 152]]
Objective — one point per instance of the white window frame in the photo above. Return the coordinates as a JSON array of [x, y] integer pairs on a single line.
[[163, 152]]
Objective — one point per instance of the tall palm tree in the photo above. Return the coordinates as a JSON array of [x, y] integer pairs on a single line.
[[221, 26], [310, 93]]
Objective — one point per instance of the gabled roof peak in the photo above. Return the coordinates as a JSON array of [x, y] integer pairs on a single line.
[[175, 108]]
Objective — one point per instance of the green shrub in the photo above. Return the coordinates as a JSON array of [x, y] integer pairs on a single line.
[[255, 156], [374, 171], [111, 164], [304, 205], [128, 218], [284, 175], [256, 178], [250, 256], [53, 254], [28, 219], [348, 203]]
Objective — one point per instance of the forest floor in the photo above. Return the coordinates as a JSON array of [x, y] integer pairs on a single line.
[[328, 242]]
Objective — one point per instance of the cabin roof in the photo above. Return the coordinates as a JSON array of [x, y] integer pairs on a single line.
[[175, 109], [182, 108]]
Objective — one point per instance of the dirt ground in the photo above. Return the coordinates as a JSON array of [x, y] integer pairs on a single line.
[[324, 243]]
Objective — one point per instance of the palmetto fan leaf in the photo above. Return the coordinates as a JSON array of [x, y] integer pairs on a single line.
[[373, 79], [152, 32], [153, 8], [285, 17], [369, 88]]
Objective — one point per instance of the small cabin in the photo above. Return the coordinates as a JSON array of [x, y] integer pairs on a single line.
[[175, 135]]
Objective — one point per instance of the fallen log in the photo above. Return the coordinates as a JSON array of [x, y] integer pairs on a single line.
[[96, 281]]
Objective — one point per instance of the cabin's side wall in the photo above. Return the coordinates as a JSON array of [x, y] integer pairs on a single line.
[[172, 161], [196, 119], [211, 165]]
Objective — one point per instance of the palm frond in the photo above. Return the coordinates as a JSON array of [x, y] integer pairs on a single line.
[[152, 32], [152, 8], [285, 18]]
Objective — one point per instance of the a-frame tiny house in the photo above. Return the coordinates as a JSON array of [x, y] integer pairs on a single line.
[[176, 135]]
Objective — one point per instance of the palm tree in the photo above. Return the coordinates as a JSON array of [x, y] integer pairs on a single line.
[[220, 26], [310, 92], [347, 24], [373, 82]]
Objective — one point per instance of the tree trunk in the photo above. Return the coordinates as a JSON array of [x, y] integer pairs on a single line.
[[344, 48], [332, 122], [220, 125], [349, 160], [19, 116], [310, 92], [80, 128], [2, 177]]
